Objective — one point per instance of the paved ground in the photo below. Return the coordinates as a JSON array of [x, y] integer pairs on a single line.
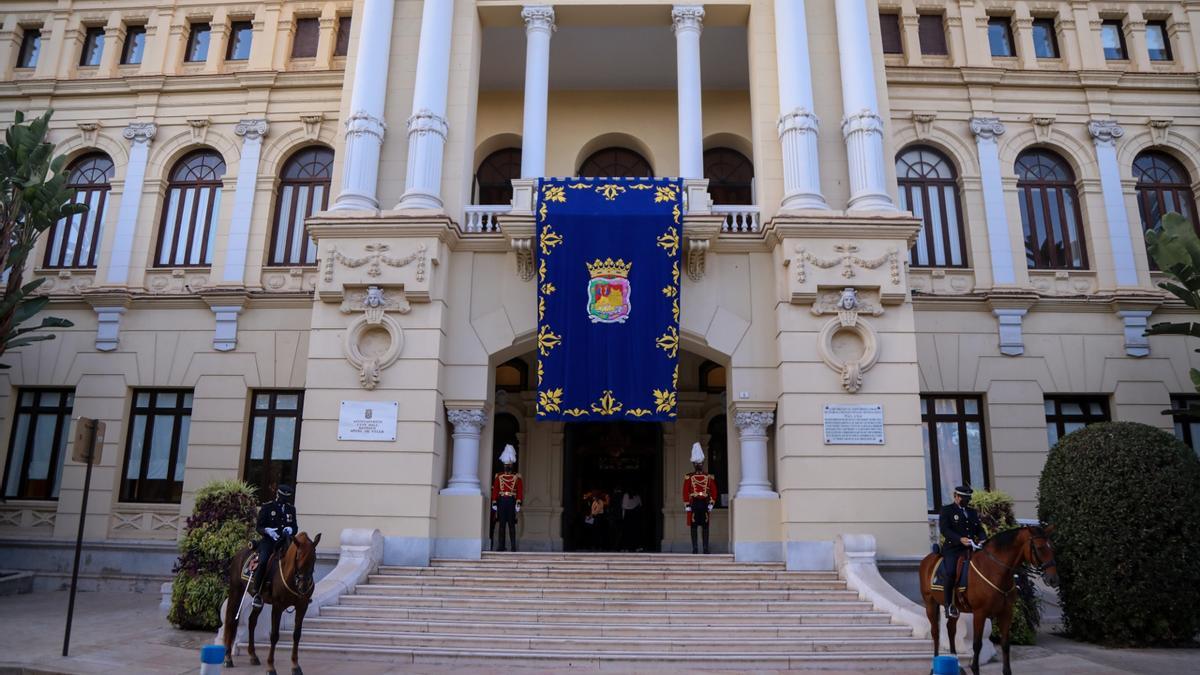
[[124, 633]]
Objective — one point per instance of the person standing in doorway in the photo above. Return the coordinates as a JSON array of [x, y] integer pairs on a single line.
[[631, 521], [699, 497], [508, 490]]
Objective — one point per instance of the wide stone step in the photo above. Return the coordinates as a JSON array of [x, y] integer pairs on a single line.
[[603, 594], [602, 582], [569, 605], [505, 615], [623, 629], [648, 573], [589, 556]]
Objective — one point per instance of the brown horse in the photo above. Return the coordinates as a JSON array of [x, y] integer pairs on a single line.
[[289, 583], [991, 584]]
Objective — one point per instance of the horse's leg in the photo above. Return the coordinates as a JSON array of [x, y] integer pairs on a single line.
[[977, 644], [1006, 618], [276, 614], [935, 617], [230, 629], [300, 610], [252, 625], [951, 631]]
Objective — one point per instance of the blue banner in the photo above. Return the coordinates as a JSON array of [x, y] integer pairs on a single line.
[[608, 264]]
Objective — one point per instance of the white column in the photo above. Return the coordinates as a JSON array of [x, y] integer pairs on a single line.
[[987, 132], [752, 433], [688, 21], [539, 26], [365, 127], [464, 477], [427, 127], [862, 126], [252, 133], [799, 129], [1105, 134], [139, 134]]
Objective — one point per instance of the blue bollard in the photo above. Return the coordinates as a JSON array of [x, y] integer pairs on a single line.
[[945, 665], [211, 659]]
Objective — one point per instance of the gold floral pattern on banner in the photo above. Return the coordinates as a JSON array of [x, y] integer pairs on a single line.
[[547, 340]]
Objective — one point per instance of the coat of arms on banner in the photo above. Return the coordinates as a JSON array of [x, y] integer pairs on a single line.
[[609, 291]]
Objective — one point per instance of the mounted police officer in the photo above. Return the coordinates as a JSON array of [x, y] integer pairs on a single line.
[[960, 527], [276, 524]]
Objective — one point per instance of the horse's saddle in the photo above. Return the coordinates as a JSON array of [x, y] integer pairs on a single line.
[[938, 582], [251, 563]]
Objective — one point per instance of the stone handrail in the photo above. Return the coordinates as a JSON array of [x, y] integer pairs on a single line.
[[482, 217], [738, 218]]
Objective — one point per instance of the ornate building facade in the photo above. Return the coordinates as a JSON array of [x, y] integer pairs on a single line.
[[932, 211]]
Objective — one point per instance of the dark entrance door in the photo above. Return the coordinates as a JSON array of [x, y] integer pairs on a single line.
[[603, 463]]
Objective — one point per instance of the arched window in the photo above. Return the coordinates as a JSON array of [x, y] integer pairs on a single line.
[[1163, 186], [928, 188], [493, 180], [615, 163], [189, 218], [512, 375], [1050, 212], [730, 176], [73, 241], [303, 190]]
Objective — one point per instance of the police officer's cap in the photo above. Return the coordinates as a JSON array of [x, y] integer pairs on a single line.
[[285, 491], [963, 490]]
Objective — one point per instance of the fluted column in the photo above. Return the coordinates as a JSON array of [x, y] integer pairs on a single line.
[[799, 129], [1105, 134], [862, 127], [752, 433], [539, 26], [427, 127], [139, 135], [464, 476], [365, 126], [688, 21], [252, 133], [987, 131]]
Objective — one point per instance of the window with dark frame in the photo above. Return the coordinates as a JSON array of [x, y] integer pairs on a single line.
[[341, 45], [889, 32], [303, 191], [712, 377], [1045, 39], [1065, 414], [952, 428], [273, 446], [1000, 36], [512, 376], [730, 176], [1158, 41], [135, 44], [1186, 416], [928, 186], [931, 30], [74, 241], [31, 46], [304, 41], [718, 457], [1112, 39], [197, 44], [156, 447], [189, 215], [1050, 212], [493, 179], [241, 35], [40, 433], [93, 46], [615, 163], [1163, 186]]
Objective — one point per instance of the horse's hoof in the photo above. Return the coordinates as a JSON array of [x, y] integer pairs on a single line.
[[254, 661], [297, 671], [272, 672], [228, 663]]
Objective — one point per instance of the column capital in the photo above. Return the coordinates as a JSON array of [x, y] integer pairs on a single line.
[[140, 132], [987, 128], [687, 17], [538, 18], [1105, 132], [467, 420], [252, 129], [753, 422]]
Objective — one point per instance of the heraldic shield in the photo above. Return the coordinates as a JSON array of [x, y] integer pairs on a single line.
[[608, 275]]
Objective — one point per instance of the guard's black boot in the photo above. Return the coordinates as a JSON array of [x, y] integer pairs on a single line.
[[694, 549], [705, 540]]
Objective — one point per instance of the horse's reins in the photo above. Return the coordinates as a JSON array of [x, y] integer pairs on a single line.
[[1041, 566], [282, 577]]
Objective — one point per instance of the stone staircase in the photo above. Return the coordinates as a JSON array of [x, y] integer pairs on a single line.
[[634, 611]]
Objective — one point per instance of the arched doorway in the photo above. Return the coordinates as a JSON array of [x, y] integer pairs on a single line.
[[605, 462], [615, 162]]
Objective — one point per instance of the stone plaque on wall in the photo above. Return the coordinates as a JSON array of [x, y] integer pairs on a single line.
[[854, 424], [367, 421]]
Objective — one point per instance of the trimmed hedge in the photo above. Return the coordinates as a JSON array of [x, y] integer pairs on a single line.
[[221, 524], [1124, 499], [996, 514]]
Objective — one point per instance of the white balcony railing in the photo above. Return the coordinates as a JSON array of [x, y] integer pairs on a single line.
[[738, 218], [482, 217]]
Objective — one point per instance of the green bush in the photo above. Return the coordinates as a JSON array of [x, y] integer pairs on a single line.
[[222, 523], [996, 514], [1124, 499]]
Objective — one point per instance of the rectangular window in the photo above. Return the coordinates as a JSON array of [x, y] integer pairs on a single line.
[[889, 30], [135, 43], [1065, 414], [93, 47], [31, 45], [1112, 37], [1000, 36], [304, 42], [955, 447], [240, 35], [274, 440], [156, 450], [932, 33], [342, 46], [1045, 40], [197, 44], [39, 441], [1157, 41], [1185, 410]]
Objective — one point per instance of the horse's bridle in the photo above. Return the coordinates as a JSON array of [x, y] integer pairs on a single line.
[[1040, 566]]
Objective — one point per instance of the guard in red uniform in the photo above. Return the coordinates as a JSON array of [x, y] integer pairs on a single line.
[[508, 490], [699, 496]]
